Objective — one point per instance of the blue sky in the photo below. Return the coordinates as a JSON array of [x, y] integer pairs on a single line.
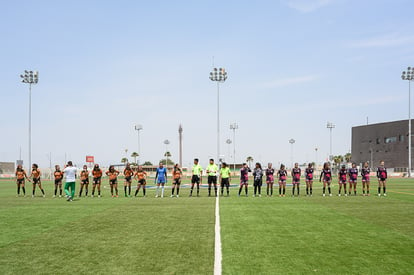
[[292, 66]]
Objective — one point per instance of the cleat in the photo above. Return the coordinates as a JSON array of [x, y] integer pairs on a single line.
[[379, 195], [323, 195], [91, 196], [99, 196], [116, 196], [178, 196], [172, 196], [156, 196], [330, 195], [385, 194], [260, 196], [54, 196], [340, 195]]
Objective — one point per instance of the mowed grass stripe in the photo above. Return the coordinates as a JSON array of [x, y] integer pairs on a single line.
[[291, 235], [127, 236]]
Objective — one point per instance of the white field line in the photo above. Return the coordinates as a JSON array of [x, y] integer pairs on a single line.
[[217, 242]]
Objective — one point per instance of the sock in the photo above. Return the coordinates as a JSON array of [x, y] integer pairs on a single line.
[[368, 191], [99, 192], [383, 189], [245, 190], [18, 190], [354, 192], [255, 190], [172, 191], [329, 189], [178, 190], [271, 190], [24, 190], [324, 189], [222, 189], [34, 191], [55, 191], [298, 190], [162, 191], [143, 190], [198, 189], [116, 191], [379, 190], [136, 192], [267, 190], [86, 192], [129, 190], [260, 189], [311, 190], [125, 188], [228, 192], [209, 190], [280, 191], [293, 190], [240, 189], [215, 190], [284, 190], [43, 191], [191, 191], [307, 190]]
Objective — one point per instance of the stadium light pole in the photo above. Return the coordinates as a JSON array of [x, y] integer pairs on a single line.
[[219, 75], [138, 127], [409, 75], [166, 142], [30, 77], [228, 141], [330, 126], [291, 141], [234, 126], [316, 158]]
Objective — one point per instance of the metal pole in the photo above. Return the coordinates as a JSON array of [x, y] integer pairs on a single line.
[[139, 149], [330, 143], [234, 149], [218, 122], [30, 125], [409, 128]]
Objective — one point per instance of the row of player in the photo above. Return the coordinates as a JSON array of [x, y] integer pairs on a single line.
[[344, 176]]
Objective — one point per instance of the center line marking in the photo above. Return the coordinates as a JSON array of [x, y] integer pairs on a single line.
[[217, 242]]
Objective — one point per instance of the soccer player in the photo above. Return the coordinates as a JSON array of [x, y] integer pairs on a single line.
[[282, 176], [113, 180], [258, 179], [58, 174], [353, 176], [270, 180], [296, 172], [97, 178], [382, 178], [176, 175], [309, 179], [212, 176], [128, 173], [365, 171], [84, 177], [244, 179], [141, 176], [160, 179], [342, 180], [225, 178], [20, 176], [197, 177], [327, 178], [70, 173], [35, 175]]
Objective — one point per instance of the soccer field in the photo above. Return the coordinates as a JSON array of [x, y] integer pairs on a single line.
[[296, 235]]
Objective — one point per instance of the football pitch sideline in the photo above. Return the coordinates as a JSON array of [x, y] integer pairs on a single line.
[[267, 235]]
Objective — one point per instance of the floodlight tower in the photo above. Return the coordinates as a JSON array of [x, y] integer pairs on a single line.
[[228, 141], [409, 75], [219, 75], [30, 77], [330, 126], [166, 142], [138, 127], [234, 126], [291, 141]]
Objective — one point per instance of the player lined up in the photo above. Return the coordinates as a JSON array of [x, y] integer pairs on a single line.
[[345, 176]]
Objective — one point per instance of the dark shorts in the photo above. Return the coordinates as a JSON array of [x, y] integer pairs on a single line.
[[142, 181], [342, 181], [257, 183], [195, 179], [36, 181], [177, 181], [295, 182], [365, 179], [59, 181], [85, 181], [113, 181], [212, 179], [225, 182], [309, 179], [382, 179], [97, 180], [128, 179], [20, 181], [352, 180]]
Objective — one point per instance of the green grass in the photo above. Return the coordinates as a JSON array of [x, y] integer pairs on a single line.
[[324, 235]]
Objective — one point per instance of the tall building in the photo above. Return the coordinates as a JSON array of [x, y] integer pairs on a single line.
[[386, 141]]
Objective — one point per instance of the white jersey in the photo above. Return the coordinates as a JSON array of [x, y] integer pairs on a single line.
[[70, 173]]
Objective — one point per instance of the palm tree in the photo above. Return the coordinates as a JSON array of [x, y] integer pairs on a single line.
[[124, 160], [167, 155], [249, 159], [348, 157], [135, 155]]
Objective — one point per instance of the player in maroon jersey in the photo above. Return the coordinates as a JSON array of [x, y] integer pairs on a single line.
[[365, 171], [353, 176], [309, 179], [244, 178], [342, 179], [282, 175], [296, 172], [327, 177], [270, 179], [382, 178]]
